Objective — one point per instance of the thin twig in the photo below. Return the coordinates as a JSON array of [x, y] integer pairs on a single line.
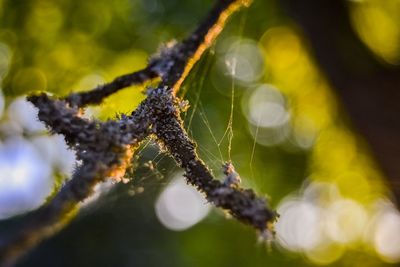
[[96, 95]]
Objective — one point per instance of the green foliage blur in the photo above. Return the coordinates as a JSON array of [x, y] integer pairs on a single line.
[[262, 62]]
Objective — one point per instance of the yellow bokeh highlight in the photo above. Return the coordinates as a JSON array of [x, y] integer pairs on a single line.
[[92, 21], [63, 56], [68, 61], [44, 21], [29, 80], [334, 151], [293, 72], [377, 23], [124, 101], [338, 156], [282, 47], [325, 253], [127, 99]]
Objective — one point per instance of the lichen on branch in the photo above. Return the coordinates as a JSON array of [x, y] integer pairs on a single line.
[[104, 149]]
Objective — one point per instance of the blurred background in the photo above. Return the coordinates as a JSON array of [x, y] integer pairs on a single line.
[[258, 97]]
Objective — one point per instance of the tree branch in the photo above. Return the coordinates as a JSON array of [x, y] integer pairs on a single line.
[[96, 95], [105, 148], [242, 204]]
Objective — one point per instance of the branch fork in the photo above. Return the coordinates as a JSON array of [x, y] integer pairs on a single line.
[[105, 149]]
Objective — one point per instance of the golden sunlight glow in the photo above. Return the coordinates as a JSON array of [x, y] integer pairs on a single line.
[[333, 211], [209, 38], [377, 23]]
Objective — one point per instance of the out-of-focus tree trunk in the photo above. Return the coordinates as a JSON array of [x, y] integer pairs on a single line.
[[368, 89]]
